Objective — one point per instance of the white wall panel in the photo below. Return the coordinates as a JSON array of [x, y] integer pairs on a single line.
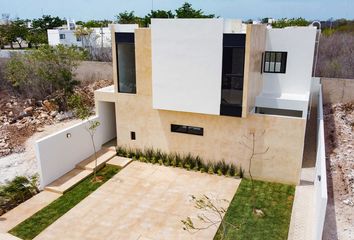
[[187, 64], [299, 42]]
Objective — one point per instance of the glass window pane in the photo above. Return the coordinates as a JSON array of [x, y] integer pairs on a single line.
[[126, 68], [272, 56], [278, 57], [277, 66]]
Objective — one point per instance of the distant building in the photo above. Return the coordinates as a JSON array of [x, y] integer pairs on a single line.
[[100, 37]]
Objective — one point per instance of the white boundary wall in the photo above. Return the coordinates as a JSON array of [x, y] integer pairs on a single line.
[[57, 154], [321, 174]]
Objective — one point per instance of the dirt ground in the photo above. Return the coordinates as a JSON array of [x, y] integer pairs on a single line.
[[339, 124]]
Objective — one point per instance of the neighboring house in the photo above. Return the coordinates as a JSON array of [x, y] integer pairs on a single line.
[[201, 86], [99, 37]]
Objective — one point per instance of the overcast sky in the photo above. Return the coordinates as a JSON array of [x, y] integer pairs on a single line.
[[244, 9]]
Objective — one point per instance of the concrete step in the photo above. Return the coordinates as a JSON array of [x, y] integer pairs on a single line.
[[119, 161], [8, 236], [23, 211], [102, 157], [67, 181]]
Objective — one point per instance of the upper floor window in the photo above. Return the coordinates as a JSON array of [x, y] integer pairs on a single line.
[[275, 62], [126, 62], [62, 36]]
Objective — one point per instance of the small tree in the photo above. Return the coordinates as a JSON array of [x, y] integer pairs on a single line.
[[250, 142], [212, 216], [82, 111]]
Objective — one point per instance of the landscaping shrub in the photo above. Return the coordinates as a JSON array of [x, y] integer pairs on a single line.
[[187, 161], [17, 191], [45, 71]]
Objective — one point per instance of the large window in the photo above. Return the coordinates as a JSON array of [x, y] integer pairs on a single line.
[[232, 74], [187, 129], [126, 62], [275, 62]]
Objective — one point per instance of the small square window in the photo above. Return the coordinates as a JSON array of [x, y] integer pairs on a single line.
[[132, 135], [275, 62], [62, 36], [78, 38]]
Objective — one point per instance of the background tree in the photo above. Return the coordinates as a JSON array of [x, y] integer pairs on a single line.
[[77, 103], [47, 22], [187, 11], [85, 34], [18, 31], [157, 14], [127, 18], [36, 37]]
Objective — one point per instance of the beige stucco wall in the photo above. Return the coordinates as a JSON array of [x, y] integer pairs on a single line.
[[337, 90], [252, 83], [223, 135]]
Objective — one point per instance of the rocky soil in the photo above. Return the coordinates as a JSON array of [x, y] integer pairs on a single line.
[[21, 118], [339, 130]]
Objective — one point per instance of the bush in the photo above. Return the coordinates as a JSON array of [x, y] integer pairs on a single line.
[[17, 191], [40, 73], [187, 161]]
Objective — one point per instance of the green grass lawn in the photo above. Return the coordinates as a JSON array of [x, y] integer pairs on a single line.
[[32, 226], [274, 199]]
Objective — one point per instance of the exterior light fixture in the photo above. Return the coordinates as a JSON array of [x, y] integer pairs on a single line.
[[68, 135]]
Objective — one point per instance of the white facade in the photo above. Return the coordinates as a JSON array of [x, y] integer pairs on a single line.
[[187, 55], [97, 38], [289, 90]]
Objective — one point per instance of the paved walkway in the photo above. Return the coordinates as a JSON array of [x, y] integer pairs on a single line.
[[143, 201], [303, 212], [25, 210]]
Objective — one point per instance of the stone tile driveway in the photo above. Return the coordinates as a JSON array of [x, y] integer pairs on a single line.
[[143, 201]]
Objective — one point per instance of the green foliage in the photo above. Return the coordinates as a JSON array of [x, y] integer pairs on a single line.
[[128, 18], [17, 191], [187, 11], [41, 72], [187, 161], [16, 31], [284, 22], [94, 23], [35, 224], [47, 22], [157, 14], [276, 202], [77, 104]]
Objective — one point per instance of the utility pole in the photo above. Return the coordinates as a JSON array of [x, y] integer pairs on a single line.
[[102, 33]]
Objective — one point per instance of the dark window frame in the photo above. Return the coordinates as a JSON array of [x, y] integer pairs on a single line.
[[128, 39], [176, 128], [132, 135], [62, 36], [274, 54]]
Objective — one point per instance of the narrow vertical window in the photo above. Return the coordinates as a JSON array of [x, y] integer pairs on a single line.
[[126, 62]]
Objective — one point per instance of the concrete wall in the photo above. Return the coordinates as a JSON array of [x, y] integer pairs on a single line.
[[299, 42], [57, 154], [93, 71], [253, 82], [337, 90], [321, 174], [187, 55], [222, 135]]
